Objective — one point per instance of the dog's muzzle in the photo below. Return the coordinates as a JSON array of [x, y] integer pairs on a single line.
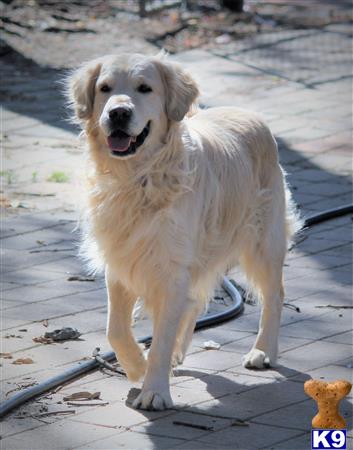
[[122, 144]]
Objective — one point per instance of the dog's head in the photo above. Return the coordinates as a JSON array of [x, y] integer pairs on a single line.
[[129, 100]]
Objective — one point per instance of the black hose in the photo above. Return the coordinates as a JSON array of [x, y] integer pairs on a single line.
[[86, 366], [327, 215]]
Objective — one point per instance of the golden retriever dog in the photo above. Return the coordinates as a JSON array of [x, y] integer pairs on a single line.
[[177, 196]]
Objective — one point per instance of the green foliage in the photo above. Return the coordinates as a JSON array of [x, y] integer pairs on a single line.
[[58, 177], [9, 176]]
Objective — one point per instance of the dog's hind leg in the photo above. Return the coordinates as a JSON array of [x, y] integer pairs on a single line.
[[119, 333], [262, 260], [265, 349], [168, 311]]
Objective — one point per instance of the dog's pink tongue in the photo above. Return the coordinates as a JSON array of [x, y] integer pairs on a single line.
[[119, 144]]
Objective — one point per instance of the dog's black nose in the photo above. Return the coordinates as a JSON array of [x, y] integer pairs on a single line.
[[120, 114]]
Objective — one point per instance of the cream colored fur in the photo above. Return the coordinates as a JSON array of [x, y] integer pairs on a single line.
[[203, 193]]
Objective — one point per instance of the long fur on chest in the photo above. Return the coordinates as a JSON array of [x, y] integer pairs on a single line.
[[129, 219]]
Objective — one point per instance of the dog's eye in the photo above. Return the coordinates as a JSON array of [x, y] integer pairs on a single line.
[[144, 88], [105, 88]]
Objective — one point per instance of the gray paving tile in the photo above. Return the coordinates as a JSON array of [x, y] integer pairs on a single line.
[[285, 343], [329, 189], [225, 382], [312, 246], [170, 426], [246, 322], [9, 304], [10, 426], [315, 355], [50, 309], [131, 440], [22, 259], [212, 359], [67, 265], [61, 435], [341, 370], [311, 285], [50, 289], [342, 338], [301, 442], [119, 415], [329, 324], [277, 373], [342, 251], [246, 405], [253, 436], [30, 276], [299, 416]]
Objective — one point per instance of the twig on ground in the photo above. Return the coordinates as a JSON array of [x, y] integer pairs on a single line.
[[54, 413], [87, 404], [105, 364], [335, 307], [193, 425], [40, 420], [52, 250], [240, 423], [290, 306], [79, 278], [82, 396], [35, 194], [20, 387]]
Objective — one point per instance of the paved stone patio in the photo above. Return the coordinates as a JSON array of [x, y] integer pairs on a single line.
[[306, 101]]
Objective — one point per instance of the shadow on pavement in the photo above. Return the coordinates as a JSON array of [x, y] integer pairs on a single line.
[[32, 90], [265, 408]]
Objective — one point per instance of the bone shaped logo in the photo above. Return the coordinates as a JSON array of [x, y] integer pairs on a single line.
[[328, 397]]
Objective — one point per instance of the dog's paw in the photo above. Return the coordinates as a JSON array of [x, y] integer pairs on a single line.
[[256, 359], [153, 401], [136, 370], [177, 358]]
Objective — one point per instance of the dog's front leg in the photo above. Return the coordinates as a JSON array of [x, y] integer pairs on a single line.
[[167, 314], [120, 305]]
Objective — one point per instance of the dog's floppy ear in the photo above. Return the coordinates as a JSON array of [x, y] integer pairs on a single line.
[[180, 89], [81, 87]]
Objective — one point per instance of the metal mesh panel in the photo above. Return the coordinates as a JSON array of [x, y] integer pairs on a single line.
[[309, 56]]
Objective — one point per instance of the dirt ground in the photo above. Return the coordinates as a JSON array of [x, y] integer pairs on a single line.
[[60, 34]]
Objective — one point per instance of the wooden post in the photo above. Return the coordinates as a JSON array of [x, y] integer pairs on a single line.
[[233, 5], [142, 8]]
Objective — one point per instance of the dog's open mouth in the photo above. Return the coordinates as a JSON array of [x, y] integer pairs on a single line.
[[122, 144]]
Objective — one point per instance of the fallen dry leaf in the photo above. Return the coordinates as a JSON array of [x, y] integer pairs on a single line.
[[9, 336], [42, 340], [54, 413], [82, 396], [88, 404], [23, 361], [6, 355], [45, 323]]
